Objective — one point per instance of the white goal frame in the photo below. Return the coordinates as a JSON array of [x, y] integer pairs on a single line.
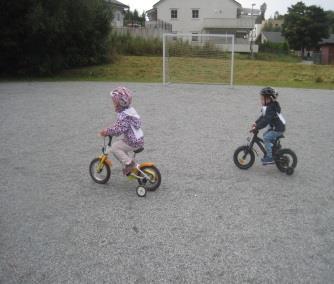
[[190, 35]]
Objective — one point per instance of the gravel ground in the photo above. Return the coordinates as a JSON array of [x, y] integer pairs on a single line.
[[209, 222]]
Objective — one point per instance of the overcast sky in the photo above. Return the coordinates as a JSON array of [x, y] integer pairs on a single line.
[[273, 5]]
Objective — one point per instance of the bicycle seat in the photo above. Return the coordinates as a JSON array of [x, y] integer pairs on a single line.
[[138, 150]]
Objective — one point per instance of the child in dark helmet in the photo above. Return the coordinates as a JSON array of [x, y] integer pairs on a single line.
[[270, 116]]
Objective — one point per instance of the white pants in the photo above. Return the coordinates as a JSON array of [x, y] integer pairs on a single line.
[[120, 150]]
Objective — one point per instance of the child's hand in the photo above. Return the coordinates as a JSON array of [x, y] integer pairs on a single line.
[[253, 127], [103, 132]]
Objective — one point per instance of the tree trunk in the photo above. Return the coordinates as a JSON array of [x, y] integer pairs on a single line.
[[303, 52]]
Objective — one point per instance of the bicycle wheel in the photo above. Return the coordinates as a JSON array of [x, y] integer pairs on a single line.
[[243, 157], [154, 178], [285, 160], [99, 173], [141, 191]]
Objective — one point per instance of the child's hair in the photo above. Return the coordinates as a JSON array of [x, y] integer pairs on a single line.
[[122, 97]]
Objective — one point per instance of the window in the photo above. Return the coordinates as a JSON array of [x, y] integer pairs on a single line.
[[195, 13], [194, 37], [173, 13], [118, 16]]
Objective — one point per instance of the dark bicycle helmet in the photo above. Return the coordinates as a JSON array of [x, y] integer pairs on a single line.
[[269, 92]]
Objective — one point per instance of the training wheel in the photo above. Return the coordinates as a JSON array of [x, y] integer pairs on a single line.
[[141, 191], [289, 171]]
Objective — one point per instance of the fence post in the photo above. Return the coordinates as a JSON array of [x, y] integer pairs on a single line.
[[164, 58]]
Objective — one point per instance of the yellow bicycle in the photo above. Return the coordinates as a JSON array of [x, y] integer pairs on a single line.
[[147, 174]]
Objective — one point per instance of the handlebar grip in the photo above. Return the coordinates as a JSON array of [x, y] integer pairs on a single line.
[[110, 139]]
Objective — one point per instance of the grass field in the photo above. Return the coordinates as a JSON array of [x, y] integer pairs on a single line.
[[247, 72]]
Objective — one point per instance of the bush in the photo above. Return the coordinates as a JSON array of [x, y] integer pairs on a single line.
[[319, 79], [181, 48], [274, 47], [129, 45]]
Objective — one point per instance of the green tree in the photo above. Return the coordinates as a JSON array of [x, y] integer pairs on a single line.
[[45, 36], [269, 27], [278, 16], [133, 18], [304, 27], [13, 33], [263, 9], [330, 17]]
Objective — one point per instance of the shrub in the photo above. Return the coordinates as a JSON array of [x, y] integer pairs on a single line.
[[274, 47], [319, 79], [129, 45]]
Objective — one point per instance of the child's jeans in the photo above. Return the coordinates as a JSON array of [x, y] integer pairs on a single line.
[[120, 150], [269, 137]]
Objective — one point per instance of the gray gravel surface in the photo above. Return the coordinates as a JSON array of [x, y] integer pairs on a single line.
[[209, 222]]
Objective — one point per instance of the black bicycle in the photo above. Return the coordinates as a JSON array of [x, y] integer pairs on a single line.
[[285, 159]]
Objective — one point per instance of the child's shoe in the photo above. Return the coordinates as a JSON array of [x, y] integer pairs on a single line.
[[128, 168], [267, 161]]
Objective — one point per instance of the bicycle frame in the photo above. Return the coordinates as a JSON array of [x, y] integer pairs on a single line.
[[258, 141], [106, 150]]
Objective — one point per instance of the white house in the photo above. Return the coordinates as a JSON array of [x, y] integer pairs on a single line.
[[210, 16], [118, 13]]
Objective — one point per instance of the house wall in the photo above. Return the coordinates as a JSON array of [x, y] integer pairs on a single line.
[[327, 54], [263, 38], [207, 9], [331, 55], [118, 20], [257, 31]]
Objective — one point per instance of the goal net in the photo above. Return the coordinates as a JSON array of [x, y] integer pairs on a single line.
[[198, 58]]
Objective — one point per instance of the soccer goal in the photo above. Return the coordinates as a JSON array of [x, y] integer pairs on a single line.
[[198, 58]]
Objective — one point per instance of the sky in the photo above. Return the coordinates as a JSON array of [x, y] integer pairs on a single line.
[[272, 5]]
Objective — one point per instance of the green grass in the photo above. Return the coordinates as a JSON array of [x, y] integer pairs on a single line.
[[266, 56], [284, 74], [126, 69], [274, 72]]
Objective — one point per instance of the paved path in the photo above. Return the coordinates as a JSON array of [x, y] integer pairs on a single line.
[[208, 223]]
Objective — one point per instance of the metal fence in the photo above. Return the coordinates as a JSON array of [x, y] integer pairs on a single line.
[[161, 25], [316, 57], [152, 29]]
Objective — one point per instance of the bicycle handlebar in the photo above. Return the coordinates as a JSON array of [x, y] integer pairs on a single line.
[[254, 131]]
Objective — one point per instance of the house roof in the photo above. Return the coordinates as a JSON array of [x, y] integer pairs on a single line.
[[236, 2], [117, 3], [275, 37], [327, 41]]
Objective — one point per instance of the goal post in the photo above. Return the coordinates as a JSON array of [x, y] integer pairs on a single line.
[[198, 58]]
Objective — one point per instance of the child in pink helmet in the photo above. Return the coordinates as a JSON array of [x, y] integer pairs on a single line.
[[128, 123]]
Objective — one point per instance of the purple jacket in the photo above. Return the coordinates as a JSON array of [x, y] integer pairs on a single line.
[[128, 123]]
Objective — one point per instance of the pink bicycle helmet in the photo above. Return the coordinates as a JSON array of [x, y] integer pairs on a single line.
[[122, 97]]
